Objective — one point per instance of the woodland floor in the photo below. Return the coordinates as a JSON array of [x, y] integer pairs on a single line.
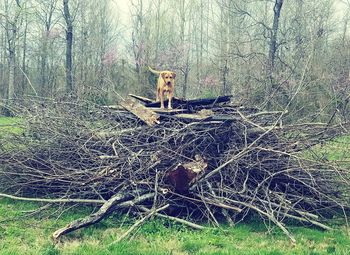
[[23, 231]]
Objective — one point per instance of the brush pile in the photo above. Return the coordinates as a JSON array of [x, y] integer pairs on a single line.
[[205, 161]]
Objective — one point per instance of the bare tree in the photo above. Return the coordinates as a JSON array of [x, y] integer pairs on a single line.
[[69, 46], [259, 49], [24, 52], [274, 32], [140, 44], [183, 12], [47, 18], [11, 35]]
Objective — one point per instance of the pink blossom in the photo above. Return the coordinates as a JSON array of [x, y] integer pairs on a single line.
[[110, 57], [53, 33], [209, 81]]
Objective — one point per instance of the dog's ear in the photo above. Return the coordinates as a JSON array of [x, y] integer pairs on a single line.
[[174, 75], [163, 75]]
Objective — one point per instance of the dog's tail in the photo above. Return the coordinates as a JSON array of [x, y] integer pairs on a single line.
[[153, 71]]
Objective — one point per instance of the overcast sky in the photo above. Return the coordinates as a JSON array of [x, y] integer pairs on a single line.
[[122, 9]]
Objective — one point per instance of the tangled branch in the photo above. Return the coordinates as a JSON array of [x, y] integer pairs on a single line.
[[232, 161]]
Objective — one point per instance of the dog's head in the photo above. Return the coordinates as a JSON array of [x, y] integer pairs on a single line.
[[168, 77]]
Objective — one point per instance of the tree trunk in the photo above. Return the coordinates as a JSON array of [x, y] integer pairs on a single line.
[[185, 84], [11, 34], [69, 46], [24, 66], [43, 69], [185, 70], [12, 67], [273, 42], [158, 20], [225, 89]]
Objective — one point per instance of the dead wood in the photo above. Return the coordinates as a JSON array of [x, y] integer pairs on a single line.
[[231, 161], [54, 200], [139, 222], [182, 221], [186, 173], [106, 210], [141, 99], [180, 103], [145, 114]]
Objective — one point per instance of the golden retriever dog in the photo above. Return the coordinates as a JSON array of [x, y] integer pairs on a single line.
[[165, 85]]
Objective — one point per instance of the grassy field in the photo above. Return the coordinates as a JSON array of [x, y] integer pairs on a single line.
[[24, 231], [23, 234]]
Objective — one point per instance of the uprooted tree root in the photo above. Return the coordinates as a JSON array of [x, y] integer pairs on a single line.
[[238, 161]]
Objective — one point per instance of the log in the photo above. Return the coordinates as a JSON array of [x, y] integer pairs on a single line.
[[144, 100], [209, 101], [108, 207], [191, 117], [106, 134], [184, 174], [180, 103], [176, 103], [113, 107], [167, 111], [146, 115], [200, 115]]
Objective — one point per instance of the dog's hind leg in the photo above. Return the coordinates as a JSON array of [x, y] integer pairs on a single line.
[[157, 94]]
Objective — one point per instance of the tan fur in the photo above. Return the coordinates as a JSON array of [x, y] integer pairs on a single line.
[[165, 85]]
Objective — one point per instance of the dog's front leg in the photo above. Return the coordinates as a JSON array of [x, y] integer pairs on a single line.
[[161, 95], [170, 98]]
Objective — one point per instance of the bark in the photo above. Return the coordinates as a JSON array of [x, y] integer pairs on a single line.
[[184, 174], [11, 34], [24, 66], [185, 70], [69, 46], [273, 42], [194, 102], [137, 40], [12, 66], [148, 116], [185, 84], [225, 89], [103, 212]]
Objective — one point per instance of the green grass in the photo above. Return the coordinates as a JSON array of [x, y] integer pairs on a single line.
[[337, 149], [10, 125], [21, 233]]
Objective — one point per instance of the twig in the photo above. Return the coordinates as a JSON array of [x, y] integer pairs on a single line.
[[138, 223], [182, 221], [270, 217], [29, 82], [103, 212], [235, 157], [54, 200]]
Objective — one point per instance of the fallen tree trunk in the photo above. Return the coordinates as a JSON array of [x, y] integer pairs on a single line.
[[179, 103]]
